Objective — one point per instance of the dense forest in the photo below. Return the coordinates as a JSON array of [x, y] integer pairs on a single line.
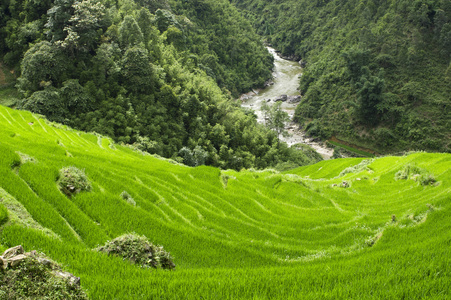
[[160, 75], [377, 73]]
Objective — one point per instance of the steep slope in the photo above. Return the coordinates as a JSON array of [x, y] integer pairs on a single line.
[[377, 72], [157, 74], [346, 228]]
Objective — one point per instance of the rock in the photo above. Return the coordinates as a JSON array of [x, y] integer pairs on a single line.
[[294, 99], [73, 280], [269, 100], [3, 263], [31, 253], [244, 97], [282, 98], [13, 251], [269, 83], [345, 184], [358, 179], [14, 261]]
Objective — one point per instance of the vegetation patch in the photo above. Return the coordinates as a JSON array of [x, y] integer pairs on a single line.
[[32, 275], [72, 181], [411, 171], [362, 166], [24, 158], [126, 196], [138, 250]]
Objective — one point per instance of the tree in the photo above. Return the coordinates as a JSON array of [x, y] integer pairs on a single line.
[[370, 95], [137, 71], [277, 119], [58, 19], [193, 158], [42, 65], [130, 34], [86, 19], [164, 19], [47, 102]]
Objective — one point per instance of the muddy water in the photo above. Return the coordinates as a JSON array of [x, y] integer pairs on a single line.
[[286, 81]]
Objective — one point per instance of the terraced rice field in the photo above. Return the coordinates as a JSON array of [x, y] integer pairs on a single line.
[[338, 229]]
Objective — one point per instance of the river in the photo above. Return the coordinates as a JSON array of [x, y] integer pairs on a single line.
[[286, 82]]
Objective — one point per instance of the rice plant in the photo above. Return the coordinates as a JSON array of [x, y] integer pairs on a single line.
[[234, 235]]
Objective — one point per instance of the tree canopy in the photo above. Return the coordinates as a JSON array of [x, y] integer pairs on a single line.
[[373, 69], [158, 75]]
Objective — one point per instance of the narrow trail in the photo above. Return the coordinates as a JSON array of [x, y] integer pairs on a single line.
[[286, 81]]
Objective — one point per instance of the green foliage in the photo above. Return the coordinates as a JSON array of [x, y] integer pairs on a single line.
[[159, 75], [43, 65], [370, 95], [126, 196], [130, 33], [72, 181], [138, 250], [362, 166], [371, 67], [411, 171], [36, 278], [195, 157], [275, 118]]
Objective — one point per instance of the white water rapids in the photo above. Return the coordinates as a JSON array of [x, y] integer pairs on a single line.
[[286, 81]]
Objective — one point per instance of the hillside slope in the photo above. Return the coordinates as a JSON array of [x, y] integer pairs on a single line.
[[157, 74], [338, 229], [377, 74]]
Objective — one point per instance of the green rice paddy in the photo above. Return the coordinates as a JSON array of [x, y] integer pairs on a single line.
[[340, 229]]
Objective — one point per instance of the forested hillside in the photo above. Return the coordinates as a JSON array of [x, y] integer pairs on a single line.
[[154, 73], [377, 74]]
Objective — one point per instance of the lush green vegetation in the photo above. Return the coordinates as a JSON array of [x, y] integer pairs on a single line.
[[138, 250], [378, 73], [37, 277], [252, 234], [157, 74]]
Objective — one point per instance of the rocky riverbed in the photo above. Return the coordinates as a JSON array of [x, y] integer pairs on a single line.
[[284, 87]]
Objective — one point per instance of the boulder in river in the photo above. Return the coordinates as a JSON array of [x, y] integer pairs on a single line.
[[294, 99], [269, 83], [282, 98]]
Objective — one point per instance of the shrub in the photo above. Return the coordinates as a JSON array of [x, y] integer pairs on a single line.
[[415, 173], [138, 250], [357, 168], [72, 181], [37, 277], [126, 196]]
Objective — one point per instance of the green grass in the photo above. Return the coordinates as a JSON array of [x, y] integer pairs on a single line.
[[232, 235]]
